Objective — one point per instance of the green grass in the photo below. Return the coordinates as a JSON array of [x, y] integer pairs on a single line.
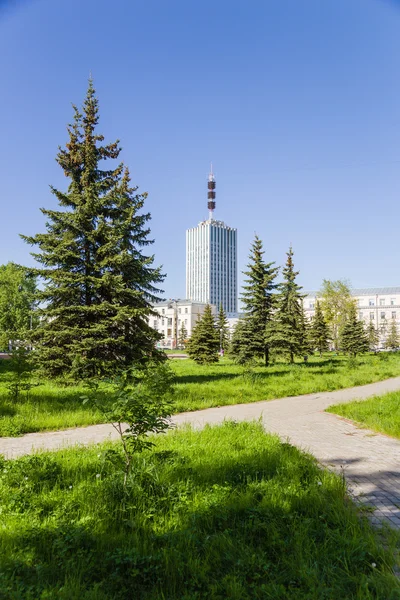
[[380, 413], [228, 512], [52, 406]]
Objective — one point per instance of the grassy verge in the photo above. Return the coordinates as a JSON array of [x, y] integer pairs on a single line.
[[51, 406], [228, 512], [380, 413]]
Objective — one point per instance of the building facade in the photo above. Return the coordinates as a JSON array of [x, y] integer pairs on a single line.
[[171, 314], [376, 305], [211, 260]]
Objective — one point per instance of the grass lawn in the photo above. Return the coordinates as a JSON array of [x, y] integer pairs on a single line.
[[52, 406], [227, 512], [380, 413]]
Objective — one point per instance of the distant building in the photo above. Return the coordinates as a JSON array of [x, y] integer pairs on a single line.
[[211, 260], [376, 305], [170, 316]]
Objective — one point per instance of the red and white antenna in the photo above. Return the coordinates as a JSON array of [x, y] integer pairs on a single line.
[[211, 194]]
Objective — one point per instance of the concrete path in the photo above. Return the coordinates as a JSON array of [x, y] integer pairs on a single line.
[[369, 461]]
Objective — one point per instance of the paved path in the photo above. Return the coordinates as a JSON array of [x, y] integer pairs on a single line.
[[369, 461]]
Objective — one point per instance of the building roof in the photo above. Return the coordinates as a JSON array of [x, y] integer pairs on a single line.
[[179, 302], [366, 291]]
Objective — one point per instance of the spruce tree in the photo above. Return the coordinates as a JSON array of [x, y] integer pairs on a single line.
[[204, 342], [182, 336], [353, 338], [241, 348], [392, 338], [372, 336], [285, 332], [258, 301], [222, 329], [319, 333], [98, 282]]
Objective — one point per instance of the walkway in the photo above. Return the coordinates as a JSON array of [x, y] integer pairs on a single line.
[[369, 461]]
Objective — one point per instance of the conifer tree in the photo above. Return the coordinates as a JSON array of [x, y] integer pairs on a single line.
[[319, 333], [372, 336], [98, 282], [241, 348], [392, 338], [204, 342], [258, 301], [222, 329], [353, 338], [183, 336], [285, 332]]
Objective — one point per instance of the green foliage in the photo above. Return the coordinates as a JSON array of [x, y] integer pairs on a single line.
[[227, 512], [141, 405], [21, 373], [393, 338], [286, 331], [372, 336], [380, 413], [182, 336], [244, 347], [222, 329], [17, 304], [203, 345], [353, 338], [336, 304], [258, 303], [98, 281], [319, 333]]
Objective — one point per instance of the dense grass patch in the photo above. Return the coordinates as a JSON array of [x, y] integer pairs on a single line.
[[53, 406], [228, 512], [380, 413]]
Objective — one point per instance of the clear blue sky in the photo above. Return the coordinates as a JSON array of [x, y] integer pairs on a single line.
[[296, 102]]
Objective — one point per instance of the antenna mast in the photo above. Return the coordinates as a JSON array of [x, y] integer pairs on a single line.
[[211, 194]]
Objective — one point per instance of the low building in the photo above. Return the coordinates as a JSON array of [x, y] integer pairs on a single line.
[[376, 305], [170, 316]]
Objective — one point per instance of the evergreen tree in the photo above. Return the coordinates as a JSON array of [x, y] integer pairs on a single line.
[[17, 304], [392, 338], [98, 282], [286, 332], [183, 336], [241, 348], [372, 337], [204, 343], [319, 333], [258, 301], [223, 329], [353, 338]]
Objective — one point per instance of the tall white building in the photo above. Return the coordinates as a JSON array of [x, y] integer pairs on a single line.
[[211, 260]]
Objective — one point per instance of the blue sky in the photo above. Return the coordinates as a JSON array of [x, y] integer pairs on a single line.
[[296, 102]]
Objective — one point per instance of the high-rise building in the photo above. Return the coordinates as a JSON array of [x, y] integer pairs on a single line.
[[211, 260]]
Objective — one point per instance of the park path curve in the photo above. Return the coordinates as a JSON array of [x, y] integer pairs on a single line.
[[369, 461]]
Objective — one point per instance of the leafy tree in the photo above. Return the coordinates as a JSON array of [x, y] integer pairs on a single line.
[[286, 331], [258, 301], [372, 336], [336, 304], [319, 333], [17, 304], [222, 329], [183, 336], [353, 338], [392, 338], [21, 372], [203, 345], [98, 282]]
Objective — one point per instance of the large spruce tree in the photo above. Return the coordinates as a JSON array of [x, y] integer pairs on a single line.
[[354, 340], [372, 336], [258, 301], [319, 332], [286, 331], [98, 281], [204, 342]]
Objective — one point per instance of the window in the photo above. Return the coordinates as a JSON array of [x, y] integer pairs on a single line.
[[360, 315], [169, 321], [155, 324], [382, 302], [186, 310], [162, 321], [312, 305], [371, 302], [383, 315], [169, 332], [163, 311], [393, 314], [185, 321], [392, 301], [371, 316], [179, 310]]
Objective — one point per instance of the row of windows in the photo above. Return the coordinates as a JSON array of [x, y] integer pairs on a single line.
[[372, 315], [371, 302], [179, 311], [155, 322]]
